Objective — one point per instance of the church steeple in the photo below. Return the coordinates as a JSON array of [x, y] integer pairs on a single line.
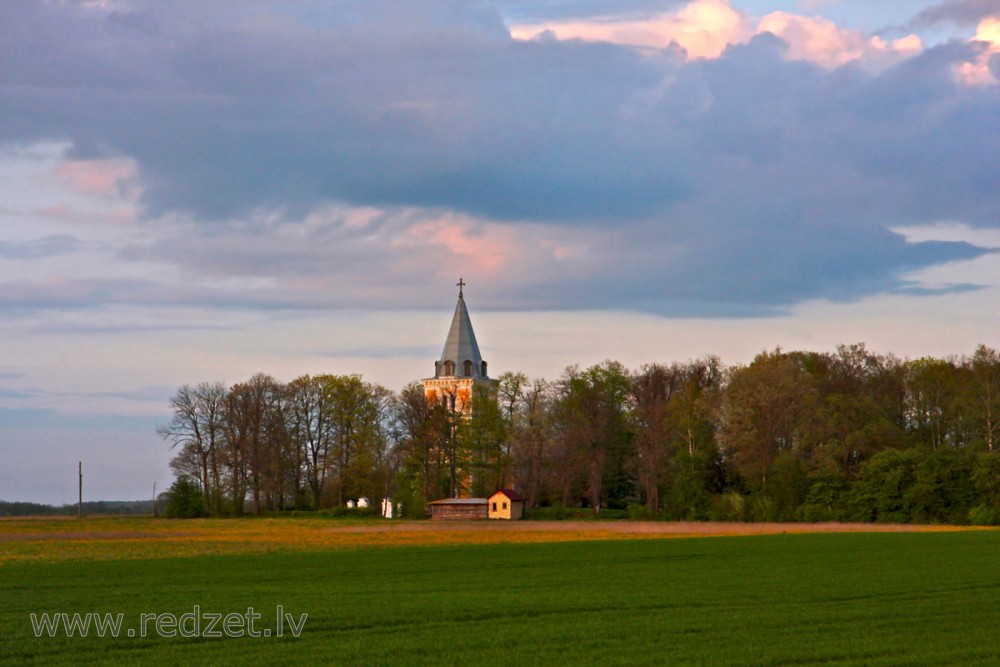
[[461, 356]]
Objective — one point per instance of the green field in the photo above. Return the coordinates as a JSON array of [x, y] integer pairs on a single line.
[[928, 598]]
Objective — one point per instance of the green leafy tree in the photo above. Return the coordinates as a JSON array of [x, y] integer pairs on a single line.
[[311, 429], [856, 412], [981, 394], [932, 399], [592, 413], [484, 435], [762, 414], [358, 413]]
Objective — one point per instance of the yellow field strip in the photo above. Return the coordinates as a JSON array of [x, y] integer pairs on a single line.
[[111, 538]]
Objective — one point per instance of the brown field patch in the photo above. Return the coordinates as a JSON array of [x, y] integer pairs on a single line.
[[56, 539]]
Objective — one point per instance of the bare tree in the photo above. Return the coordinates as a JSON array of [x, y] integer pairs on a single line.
[[251, 442], [533, 438], [197, 428]]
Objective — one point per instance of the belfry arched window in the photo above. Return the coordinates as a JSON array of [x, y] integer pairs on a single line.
[[468, 367]]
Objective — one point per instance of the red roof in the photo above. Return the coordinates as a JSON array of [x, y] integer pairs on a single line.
[[511, 495]]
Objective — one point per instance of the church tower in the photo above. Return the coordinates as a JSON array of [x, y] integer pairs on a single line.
[[461, 369]]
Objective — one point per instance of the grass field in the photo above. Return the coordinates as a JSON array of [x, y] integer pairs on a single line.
[[848, 598]]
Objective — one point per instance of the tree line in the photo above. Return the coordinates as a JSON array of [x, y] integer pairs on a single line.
[[90, 507], [850, 435]]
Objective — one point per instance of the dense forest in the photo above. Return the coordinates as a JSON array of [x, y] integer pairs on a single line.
[[793, 436]]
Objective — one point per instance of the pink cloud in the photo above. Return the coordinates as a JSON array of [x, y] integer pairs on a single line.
[[702, 28], [823, 42], [489, 247], [111, 177], [977, 72], [517, 254]]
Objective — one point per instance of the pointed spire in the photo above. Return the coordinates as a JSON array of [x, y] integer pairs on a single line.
[[461, 346]]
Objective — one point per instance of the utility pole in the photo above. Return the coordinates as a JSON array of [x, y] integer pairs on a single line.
[[79, 512], [155, 508]]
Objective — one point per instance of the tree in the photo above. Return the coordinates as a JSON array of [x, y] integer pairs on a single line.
[[596, 440], [423, 428], [761, 413], [185, 499], [532, 436], [652, 389], [197, 428], [356, 413], [983, 394], [484, 435], [253, 437], [931, 402], [857, 410], [510, 393]]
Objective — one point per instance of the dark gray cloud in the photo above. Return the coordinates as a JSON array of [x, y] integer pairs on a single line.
[[960, 12], [728, 186]]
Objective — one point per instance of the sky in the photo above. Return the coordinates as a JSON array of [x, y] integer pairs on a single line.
[[196, 191]]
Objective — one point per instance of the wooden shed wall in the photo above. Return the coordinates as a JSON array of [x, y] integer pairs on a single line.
[[459, 511]]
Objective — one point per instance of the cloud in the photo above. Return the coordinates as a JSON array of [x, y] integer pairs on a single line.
[[979, 272], [821, 41], [953, 233], [340, 256], [286, 155], [961, 12], [49, 246], [520, 12], [108, 177], [703, 29], [984, 67]]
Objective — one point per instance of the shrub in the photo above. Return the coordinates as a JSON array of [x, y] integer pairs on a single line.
[[730, 506], [185, 499], [344, 512], [825, 500], [983, 515], [639, 512]]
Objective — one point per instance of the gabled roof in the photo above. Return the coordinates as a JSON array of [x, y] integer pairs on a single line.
[[459, 501], [511, 494], [461, 344]]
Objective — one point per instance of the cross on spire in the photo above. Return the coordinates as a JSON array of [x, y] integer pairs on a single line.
[[461, 283]]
